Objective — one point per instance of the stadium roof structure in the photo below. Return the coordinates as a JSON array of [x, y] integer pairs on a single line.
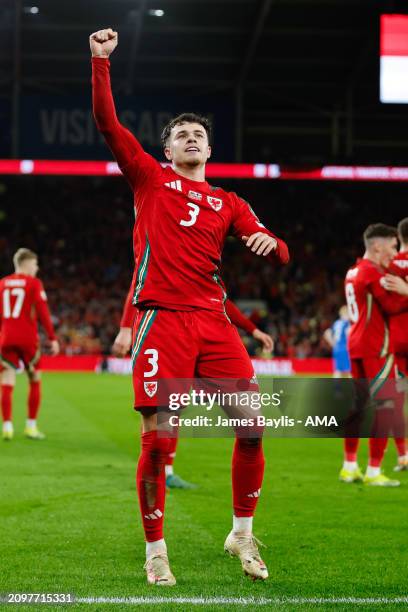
[[303, 75]]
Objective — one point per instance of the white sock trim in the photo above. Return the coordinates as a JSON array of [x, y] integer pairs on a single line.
[[372, 472], [31, 423], [155, 548], [7, 426], [350, 466], [168, 470], [242, 524]]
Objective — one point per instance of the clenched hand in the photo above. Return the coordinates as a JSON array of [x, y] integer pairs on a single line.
[[103, 42]]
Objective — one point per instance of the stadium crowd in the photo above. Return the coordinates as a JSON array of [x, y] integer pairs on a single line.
[[86, 254]]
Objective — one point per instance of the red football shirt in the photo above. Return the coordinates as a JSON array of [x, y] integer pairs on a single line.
[[369, 306], [399, 322], [180, 225], [233, 312], [23, 302]]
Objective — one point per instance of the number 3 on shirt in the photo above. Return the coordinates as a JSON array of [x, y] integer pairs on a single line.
[[351, 303], [195, 209]]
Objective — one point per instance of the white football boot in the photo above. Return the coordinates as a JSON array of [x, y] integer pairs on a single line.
[[245, 547]]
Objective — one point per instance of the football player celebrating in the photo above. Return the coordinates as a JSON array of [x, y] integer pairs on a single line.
[[23, 302], [371, 348], [181, 330]]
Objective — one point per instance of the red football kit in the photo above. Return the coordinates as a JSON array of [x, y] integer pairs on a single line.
[[23, 302], [233, 313], [179, 233], [399, 322], [369, 342]]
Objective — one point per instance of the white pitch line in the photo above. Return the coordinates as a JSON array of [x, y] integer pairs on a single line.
[[244, 601]]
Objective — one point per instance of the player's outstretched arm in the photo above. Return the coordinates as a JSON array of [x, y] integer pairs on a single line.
[[128, 152], [103, 43]]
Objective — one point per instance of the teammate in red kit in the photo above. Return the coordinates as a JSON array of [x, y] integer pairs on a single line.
[[123, 343], [181, 330], [370, 346], [399, 322], [23, 302]]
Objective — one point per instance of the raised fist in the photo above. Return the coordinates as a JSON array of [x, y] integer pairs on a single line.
[[103, 42]]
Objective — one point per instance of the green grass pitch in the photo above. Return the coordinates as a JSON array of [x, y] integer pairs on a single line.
[[69, 520]]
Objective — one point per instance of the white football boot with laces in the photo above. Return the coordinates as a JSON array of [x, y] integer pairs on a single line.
[[158, 570], [245, 547]]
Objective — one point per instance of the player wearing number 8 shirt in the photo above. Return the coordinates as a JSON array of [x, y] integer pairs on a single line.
[[181, 330], [372, 352], [23, 303]]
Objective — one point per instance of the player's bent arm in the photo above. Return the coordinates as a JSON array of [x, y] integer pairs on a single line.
[[238, 318], [328, 337], [43, 312], [265, 339], [395, 283], [247, 227], [390, 302]]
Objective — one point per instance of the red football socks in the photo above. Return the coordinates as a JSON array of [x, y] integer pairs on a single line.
[[6, 401], [247, 475], [34, 398], [151, 483], [351, 448], [377, 448], [401, 446]]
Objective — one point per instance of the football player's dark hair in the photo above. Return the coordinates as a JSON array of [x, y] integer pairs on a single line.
[[379, 230], [186, 118]]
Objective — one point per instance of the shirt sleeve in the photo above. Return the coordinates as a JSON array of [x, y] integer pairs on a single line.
[[245, 223], [129, 310], [237, 318], [135, 163], [389, 301], [42, 309], [397, 270]]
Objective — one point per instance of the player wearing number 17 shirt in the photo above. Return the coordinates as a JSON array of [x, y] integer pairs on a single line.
[[181, 330], [371, 350], [23, 303]]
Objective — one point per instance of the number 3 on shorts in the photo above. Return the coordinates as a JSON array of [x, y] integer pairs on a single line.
[[153, 361]]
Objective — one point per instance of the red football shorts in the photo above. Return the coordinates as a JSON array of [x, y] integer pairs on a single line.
[[30, 355], [379, 373], [182, 345]]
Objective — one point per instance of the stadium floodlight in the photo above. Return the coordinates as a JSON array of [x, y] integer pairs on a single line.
[[31, 10], [156, 12]]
